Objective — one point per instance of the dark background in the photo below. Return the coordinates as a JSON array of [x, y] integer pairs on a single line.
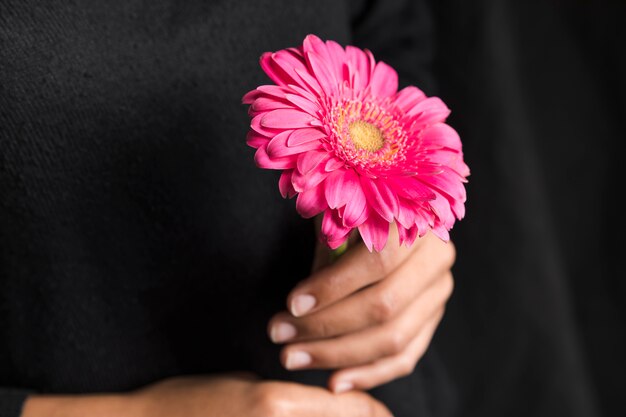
[[537, 323]]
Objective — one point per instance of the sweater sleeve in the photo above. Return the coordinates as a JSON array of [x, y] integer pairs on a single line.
[[11, 401]]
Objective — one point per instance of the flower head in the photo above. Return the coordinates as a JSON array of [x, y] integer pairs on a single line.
[[353, 147]]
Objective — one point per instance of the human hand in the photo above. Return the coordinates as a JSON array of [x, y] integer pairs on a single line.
[[231, 395], [369, 315]]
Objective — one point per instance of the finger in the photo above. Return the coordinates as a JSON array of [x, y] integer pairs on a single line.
[[372, 343], [354, 270], [350, 404], [358, 405], [290, 399], [377, 304], [386, 369]]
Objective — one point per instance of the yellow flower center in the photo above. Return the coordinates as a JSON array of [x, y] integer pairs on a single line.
[[366, 136]]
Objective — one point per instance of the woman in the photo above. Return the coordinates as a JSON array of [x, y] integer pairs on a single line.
[[146, 261]]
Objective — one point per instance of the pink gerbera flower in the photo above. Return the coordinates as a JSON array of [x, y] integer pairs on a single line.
[[353, 147]]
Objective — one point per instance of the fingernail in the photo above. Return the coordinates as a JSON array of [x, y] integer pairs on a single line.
[[343, 386], [302, 304], [297, 360], [281, 332]]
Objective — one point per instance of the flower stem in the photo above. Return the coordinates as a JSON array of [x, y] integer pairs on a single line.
[[336, 253]]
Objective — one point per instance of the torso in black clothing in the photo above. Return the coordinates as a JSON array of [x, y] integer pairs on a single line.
[[137, 238]]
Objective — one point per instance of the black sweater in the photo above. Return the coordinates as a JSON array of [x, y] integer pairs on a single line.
[[137, 238], [139, 241]]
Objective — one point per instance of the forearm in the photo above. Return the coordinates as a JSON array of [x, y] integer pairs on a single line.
[[99, 405]]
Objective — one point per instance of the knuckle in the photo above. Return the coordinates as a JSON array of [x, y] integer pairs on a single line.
[[448, 285], [320, 328], [328, 283], [406, 365], [384, 307], [267, 401], [396, 342], [365, 407], [450, 254]]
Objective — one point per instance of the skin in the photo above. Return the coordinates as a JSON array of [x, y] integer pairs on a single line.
[[230, 395], [373, 318], [374, 314]]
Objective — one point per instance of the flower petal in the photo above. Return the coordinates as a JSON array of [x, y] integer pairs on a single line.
[[429, 111], [308, 161], [334, 244], [408, 97], [338, 57], [296, 89], [340, 185], [273, 90], [255, 140], [313, 44], [448, 183], [440, 135], [250, 96], [406, 213], [441, 232], [380, 198], [302, 182], [356, 209], [460, 167], [442, 209], [332, 227], [308, 106], [286, 119], [384, 82], [288, 60], [333, 164], [284, 184], [278, 146], [323, 73], [374, 232], [302, 136], [255, 124], [410, 188], [363, 65], [262, 160], [311, 202], [424, 219], [275, 73], [263, 104], [310, 82], [407, 236]]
